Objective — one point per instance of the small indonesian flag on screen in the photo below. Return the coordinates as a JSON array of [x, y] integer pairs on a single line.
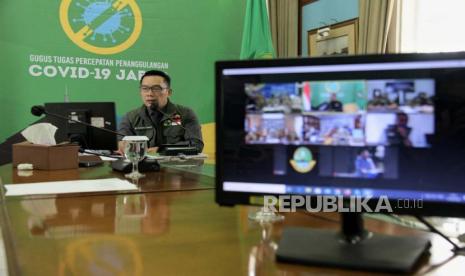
[[306, 96]]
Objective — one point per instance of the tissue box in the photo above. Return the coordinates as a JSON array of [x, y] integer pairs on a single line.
[[42, 157]]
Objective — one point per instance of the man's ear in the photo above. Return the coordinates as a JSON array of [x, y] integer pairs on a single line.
[[170, 91]]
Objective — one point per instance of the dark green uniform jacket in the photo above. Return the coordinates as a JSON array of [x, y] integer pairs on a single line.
[[178, 125]]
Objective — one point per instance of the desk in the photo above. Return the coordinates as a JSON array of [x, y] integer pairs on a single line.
[[160, 233], [169, 179]]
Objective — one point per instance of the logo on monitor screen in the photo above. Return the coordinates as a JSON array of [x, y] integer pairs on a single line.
[[101, 26], [302, 160]]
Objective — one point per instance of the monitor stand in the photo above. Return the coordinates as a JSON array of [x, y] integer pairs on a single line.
[[352, 248]]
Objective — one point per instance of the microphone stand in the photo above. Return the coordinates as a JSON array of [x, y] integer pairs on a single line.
[[173, 149], [154, 107]]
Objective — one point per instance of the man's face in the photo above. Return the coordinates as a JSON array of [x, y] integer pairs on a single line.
[[154, 89], [402, 120]]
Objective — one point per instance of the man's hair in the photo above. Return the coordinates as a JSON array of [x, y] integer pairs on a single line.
[[157, 73], [402, 114]]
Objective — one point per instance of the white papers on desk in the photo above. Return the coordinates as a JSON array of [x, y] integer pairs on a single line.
[[180, 157], [104, 158], [64, 187], [180, 160]]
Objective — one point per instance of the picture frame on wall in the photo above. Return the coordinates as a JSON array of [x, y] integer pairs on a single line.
[[302, 4], [337, 39]]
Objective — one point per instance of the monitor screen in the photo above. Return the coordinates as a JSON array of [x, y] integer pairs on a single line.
[[98, 114], [379, 125]]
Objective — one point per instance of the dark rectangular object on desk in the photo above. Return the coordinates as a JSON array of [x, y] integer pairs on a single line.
[[125, 166], [383, 253], [89, 161], [173, 150]]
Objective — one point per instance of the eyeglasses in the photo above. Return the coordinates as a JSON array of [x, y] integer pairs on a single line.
[[155, 89]]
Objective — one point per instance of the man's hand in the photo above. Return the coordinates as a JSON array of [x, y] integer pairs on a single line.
[[152, 150], [402, 131], [121, 146]]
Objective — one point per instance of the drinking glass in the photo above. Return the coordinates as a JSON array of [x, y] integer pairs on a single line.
[[135, 150]]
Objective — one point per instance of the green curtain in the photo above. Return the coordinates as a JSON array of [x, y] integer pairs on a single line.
[[256, 37]]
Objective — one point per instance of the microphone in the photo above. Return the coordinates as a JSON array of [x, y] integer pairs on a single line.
[[154, 106], [39, 110], [174, 149]]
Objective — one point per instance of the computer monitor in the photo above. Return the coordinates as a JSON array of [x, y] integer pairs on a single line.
[[98, 114], [377, 127]]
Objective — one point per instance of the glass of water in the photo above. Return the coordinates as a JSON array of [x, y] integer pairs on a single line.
[[135, 150]]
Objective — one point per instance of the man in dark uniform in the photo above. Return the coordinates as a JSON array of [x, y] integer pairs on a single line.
[[162, 121], [398, 134], [334, 104]]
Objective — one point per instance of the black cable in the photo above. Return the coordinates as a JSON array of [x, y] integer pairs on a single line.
[[457, 249], [321, 217]]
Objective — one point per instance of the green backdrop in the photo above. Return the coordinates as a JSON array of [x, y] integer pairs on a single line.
[[346, 92], [40, 61]]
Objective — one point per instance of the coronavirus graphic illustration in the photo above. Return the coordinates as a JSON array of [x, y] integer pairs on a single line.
[[101, 26]]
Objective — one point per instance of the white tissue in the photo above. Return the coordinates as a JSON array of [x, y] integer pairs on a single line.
[[25, 167], [42, 133]]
